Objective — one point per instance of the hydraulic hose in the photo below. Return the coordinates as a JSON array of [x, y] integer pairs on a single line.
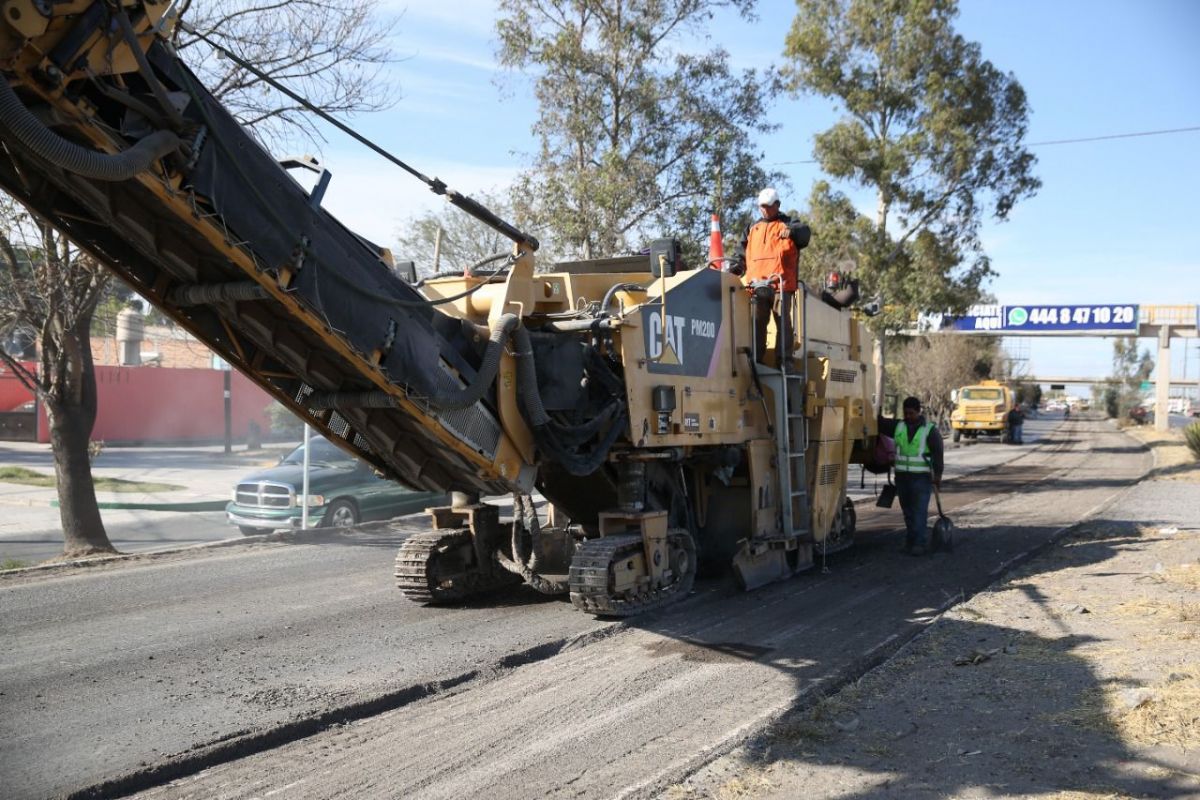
[[576, 463], [612, 292], [558, 441], [83, 161], [578, 434], [527, 385], [469, 395]]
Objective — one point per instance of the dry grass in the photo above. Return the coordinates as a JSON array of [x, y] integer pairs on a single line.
[[1174, 611], [1174, 461], [1169, 715], [1166, 713], [1186, 575], [744, 786], [803, 730]]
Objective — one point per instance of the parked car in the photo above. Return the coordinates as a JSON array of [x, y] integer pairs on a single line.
[[343, 491], [1141, 414]]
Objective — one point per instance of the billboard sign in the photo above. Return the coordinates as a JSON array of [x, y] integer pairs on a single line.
[[1037, 319]]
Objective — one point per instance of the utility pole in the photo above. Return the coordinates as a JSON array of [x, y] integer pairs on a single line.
[[304, 481], [228, 410]]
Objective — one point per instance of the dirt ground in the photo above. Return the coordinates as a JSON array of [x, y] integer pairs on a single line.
[[1076, 676]]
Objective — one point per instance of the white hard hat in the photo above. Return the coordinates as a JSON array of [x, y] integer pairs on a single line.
[[768, 197]]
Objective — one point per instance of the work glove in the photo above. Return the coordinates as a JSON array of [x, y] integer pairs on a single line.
[[800, 233]]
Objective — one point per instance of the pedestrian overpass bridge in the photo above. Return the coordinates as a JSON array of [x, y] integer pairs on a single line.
[[1162, 322]]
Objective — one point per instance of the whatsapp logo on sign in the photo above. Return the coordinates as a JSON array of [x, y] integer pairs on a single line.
[[1017, 316]]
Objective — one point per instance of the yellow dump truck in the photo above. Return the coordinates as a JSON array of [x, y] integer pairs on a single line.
[[981, 408]]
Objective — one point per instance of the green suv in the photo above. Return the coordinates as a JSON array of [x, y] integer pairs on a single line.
[[343, 491]]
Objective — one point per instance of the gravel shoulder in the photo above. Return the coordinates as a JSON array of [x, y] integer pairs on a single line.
[[1077, 676]]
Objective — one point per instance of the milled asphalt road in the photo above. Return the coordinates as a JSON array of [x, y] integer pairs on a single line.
[[111, 670], [631, 714]]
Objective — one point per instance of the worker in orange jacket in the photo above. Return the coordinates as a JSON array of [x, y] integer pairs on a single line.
[[769, 267]]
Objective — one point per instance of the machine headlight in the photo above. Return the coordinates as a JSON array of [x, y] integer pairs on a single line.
[[314, 501]]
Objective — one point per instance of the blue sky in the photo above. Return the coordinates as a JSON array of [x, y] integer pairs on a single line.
[[1115, 222]]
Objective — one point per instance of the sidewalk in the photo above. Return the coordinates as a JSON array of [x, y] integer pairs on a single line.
[[205, 474]]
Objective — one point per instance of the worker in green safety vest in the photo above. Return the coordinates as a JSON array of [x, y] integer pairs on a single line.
[[919, 463]]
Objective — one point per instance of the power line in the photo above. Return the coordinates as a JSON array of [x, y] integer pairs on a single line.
[[1115, 136], [1054, 141]]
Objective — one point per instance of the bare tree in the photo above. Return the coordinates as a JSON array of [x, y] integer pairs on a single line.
[[49, 286], [331, 52], [930, 367], [449, 240]]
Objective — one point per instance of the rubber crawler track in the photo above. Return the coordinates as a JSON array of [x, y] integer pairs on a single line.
[[591, 571], [420, 576]]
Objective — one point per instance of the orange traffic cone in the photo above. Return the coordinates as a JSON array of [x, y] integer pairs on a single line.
[[716, 247]]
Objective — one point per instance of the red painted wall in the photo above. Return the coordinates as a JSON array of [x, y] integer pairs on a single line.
[[162, 405], [12, 392]]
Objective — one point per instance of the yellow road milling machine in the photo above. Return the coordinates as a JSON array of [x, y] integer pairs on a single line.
[[626, 391]]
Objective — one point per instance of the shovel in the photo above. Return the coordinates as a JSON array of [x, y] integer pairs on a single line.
[[942, 535]]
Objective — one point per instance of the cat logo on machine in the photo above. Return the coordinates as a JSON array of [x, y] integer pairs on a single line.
[[681, 339], [666, 338]]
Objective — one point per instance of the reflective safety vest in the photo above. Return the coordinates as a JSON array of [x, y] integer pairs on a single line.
[[770, 253], [910, 453]]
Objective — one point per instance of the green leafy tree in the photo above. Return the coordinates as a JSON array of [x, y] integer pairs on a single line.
[[635, 137], [932, 128], [1123, 390]]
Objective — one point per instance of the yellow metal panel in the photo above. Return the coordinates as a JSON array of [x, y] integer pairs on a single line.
[[764, 485]]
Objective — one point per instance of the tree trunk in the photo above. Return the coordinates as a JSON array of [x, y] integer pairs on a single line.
[[878, 354], [70, 432], [71, 411]]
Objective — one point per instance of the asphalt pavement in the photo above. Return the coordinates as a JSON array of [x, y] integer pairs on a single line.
[[31, 531], [170, 667], [967, 457], [1181, 421]]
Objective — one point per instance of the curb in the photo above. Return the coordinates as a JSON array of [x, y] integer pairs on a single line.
[[195, 505], [98, 561]]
